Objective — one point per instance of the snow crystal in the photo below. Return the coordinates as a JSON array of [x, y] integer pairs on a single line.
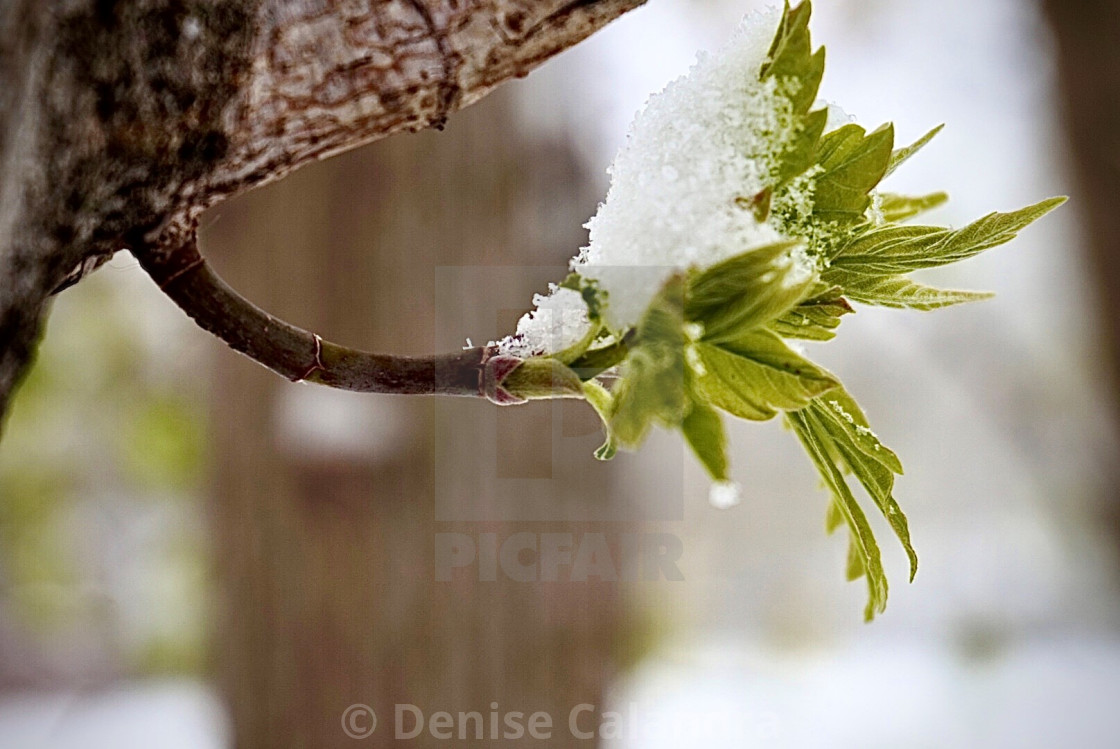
[[875, 211], [708, 139], [840, 410], [860, 429], [695, 363], [792, 209], [801, 268], [837, 117], [724, 495], [559, 321]]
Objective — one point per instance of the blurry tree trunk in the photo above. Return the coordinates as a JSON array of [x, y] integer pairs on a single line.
[[325, 535], [1087, 34]]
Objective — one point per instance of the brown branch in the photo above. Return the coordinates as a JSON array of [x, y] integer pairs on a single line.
[[326, 77], [297, 354]]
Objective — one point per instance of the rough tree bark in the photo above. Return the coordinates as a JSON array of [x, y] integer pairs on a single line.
[[122, 121]]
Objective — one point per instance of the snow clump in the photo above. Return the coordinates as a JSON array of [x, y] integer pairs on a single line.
[[680, 189], [559, 321]]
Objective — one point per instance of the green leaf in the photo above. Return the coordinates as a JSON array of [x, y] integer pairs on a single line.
[[835, 143], [798, 70], [791, 57], [842, 426], [889, 250], [756, 375], [747, 291], [722, 283], [840, 407], [902, 154], [784, 30], [834, 517], [597, 360], [572, 281], [815, 319], [879, 483], [588, 288], [578, 349], [855, 568], [853, 164], [862, 539], [898, 291], [603, 403], [997, 228], [802, 72], [801, 152], [652, 387], [901, 207], [703, 430], [646, 393], [900, 249], [735, 394], [543, 377]]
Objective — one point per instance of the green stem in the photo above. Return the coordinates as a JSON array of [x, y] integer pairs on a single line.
[[597, 361]]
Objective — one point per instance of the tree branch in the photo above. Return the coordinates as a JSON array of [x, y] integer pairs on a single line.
[[297, 354], [121, 122], [327, 77]]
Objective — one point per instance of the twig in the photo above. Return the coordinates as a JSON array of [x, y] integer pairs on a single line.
[[297, 354]]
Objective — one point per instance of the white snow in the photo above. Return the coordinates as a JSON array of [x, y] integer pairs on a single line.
[[680, 189], [172, 714], [1042, 692], [837, 117], [559, 321], [708, 138], [724, 495]]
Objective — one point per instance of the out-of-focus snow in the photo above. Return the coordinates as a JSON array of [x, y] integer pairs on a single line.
[[724, 495], [1041, 693], [168, 715]]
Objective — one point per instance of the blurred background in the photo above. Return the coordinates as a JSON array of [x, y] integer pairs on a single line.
[[196, 553]]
